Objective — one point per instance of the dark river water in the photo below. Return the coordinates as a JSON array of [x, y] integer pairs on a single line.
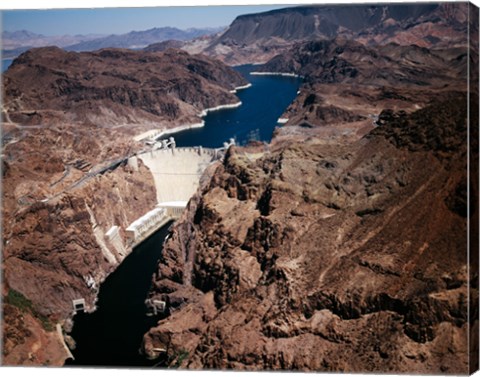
[[112, 335]]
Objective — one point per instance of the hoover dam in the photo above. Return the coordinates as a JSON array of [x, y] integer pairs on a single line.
[[176, 173]]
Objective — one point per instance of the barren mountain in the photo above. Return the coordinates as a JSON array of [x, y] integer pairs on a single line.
[[259, 37], [347, 84], [133, 89], [16, 42], [141, 39], [323, 256], [340, 246], [24, 38]]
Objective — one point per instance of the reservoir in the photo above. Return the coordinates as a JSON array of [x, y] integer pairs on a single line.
[[5, 64], [262, 104], [112, 335]]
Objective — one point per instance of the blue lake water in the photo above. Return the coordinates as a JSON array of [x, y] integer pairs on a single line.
[[112, 335], [262, 104], [6, 63]]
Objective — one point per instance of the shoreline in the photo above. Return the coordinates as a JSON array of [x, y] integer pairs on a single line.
[[157, 133], [184, 127], [286, 74], [204, 112], [234, 90]]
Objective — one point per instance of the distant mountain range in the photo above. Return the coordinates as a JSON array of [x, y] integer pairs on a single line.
[[141, 39], [16, 42]]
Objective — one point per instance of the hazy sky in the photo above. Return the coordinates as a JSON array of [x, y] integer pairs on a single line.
[[123, 20]]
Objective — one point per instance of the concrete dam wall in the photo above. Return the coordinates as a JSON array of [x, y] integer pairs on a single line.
[[177, 171]]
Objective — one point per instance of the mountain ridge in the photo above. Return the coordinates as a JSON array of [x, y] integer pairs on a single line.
[[141, 86], [141, 39], [25, 39], [259, 37], [16, 42]]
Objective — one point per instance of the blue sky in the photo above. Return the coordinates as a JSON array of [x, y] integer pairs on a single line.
[[123, 20]]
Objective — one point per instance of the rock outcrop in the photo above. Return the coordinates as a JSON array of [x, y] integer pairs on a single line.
[[325, 256], [135, 90], [259, 37]]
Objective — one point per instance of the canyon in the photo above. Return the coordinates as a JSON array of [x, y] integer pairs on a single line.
[[341, 245], [360, 266], [67, 182]]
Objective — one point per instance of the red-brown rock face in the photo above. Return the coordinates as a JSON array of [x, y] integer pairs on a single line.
[[342, 246], [259, 37], [318, 256], [116, 87]]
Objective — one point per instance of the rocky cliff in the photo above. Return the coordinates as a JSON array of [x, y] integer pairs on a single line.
[[259, 37], [342, 245], [68, 126], [323, 256]]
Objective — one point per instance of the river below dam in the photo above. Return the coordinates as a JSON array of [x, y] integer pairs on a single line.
[[112, 335]]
